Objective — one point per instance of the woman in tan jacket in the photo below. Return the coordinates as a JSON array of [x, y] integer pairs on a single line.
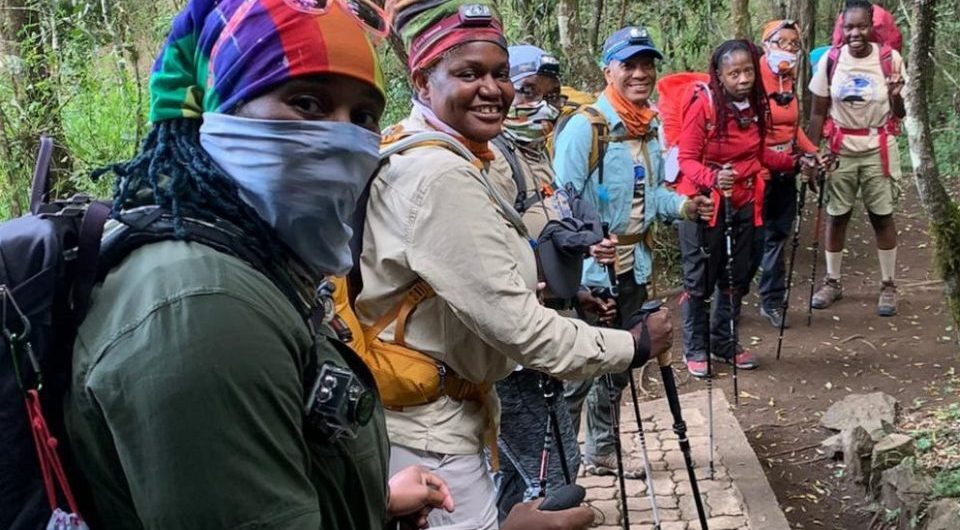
[[434, 221]]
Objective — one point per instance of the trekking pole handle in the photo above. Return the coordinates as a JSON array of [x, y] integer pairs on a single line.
[[727, 193], [648, 308]]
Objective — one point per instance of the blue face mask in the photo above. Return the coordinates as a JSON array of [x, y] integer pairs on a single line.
[[302, 177]]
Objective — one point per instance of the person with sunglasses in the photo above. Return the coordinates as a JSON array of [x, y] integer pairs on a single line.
[[626, 185], [778, 73], [440, 233], [201, 378]]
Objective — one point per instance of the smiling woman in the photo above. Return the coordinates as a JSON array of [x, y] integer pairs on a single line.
[[469, 89], [439, 233]]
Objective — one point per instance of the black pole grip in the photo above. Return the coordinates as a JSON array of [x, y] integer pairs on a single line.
[[564, 498]]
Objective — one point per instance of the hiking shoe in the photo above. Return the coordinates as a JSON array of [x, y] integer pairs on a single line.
[[697, 368], [829, 292], [774, 316], [745, 359], [887, 305], [607, 465]]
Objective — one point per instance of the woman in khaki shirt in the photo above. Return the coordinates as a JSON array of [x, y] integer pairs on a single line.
[[433, 216]]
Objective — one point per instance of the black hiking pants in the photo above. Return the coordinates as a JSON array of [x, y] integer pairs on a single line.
[[702, 275]]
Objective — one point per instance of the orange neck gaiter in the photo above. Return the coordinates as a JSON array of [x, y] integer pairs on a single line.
[[636, 119]]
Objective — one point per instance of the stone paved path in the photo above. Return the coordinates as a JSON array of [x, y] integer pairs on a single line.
[[738, 496]]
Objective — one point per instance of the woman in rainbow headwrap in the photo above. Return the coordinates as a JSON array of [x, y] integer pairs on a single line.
[[191, 371], [439, 233]]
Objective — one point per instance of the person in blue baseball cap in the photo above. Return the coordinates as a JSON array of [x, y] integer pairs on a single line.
[[610, 153]]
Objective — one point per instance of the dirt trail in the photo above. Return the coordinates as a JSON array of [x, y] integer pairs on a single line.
[[848, 349]]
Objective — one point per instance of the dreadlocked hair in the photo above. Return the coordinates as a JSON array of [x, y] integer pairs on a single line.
[[173, 171], [866, 5], [757, 97]]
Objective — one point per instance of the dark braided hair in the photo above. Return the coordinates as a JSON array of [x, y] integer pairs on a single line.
[[173, 171], [866, 5], [722, 102]]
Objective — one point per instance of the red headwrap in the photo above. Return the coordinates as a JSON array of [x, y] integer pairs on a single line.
[[427, 47]]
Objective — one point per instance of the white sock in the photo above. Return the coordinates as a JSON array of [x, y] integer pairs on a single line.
[[834, 260], [888, 264]]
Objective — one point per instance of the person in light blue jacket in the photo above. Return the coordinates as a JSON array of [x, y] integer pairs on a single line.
[[627, 188]]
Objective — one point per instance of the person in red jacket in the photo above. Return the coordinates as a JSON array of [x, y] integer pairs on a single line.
[[722, 153], [778, 71]]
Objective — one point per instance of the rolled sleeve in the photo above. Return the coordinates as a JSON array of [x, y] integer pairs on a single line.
[[819, 85], [473, 267]]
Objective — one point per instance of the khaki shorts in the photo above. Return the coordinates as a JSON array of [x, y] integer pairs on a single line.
[[863, 175]]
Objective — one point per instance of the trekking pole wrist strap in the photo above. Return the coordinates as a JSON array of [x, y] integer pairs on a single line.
[[641, 346]]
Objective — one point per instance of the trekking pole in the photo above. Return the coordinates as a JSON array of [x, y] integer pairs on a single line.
[[615, 421], [549, 387], [679, 426], [801, 201], [821, 178], [648, 471], [708, 301], [646, 460], [611, 293], [728, 236]]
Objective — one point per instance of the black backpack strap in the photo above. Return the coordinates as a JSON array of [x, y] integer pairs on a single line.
[[151, 224], [39, 185], [88, 256], [521, 203]]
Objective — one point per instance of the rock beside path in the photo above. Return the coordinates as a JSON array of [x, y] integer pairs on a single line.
[[905, 489], [857, 447], [943, 514], [875, 412]]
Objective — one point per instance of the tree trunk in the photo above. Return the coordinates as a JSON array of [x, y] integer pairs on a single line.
[[35, 88], [741, 19], [943, 212], [806, 13], [595, 29], [583, 73]]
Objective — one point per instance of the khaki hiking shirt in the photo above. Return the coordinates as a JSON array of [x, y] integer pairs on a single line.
[[429, 216]]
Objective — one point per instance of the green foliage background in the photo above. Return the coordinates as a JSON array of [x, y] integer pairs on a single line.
[[98, 55]]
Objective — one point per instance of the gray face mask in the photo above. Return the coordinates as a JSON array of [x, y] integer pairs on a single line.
[[302, 177]]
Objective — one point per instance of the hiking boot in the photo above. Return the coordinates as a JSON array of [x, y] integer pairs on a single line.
[[745, 359], [774, 316], [829, 292], [697, 368], [607, 465], [887, 305]]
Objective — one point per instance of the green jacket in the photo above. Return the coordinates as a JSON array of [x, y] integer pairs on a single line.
[[186, 404]]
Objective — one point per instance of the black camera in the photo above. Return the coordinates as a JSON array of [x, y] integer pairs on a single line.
[[338, 403]]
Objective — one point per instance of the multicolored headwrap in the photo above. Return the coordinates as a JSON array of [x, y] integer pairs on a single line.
[[431, 27], [223, 53]]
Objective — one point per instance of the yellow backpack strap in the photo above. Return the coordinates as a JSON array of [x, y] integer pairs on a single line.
[[437, 138], [601, 137], [418, 292]]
